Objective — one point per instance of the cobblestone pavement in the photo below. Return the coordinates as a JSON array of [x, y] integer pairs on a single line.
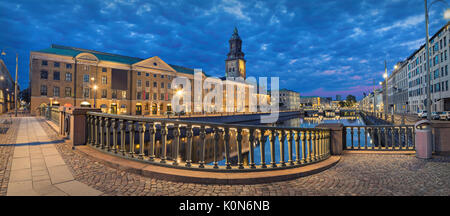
[[6, 153], [355, 174]]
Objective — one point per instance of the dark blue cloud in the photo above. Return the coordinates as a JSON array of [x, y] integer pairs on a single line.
[[315, 47]]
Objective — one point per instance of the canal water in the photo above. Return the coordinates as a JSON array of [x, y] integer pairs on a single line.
[[303, 122]]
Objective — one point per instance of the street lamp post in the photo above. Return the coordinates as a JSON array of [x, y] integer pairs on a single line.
[[428, 76], [385, 76]]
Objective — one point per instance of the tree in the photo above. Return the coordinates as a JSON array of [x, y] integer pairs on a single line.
[[342, 104], [350, 100]]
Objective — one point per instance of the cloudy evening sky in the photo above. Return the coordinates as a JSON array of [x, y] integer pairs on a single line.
[[315, 47]]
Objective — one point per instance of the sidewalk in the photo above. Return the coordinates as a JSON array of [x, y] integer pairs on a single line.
[[37, 167]]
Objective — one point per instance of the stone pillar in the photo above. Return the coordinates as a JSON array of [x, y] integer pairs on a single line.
[[78, 124], [441, 141], [337, 137]]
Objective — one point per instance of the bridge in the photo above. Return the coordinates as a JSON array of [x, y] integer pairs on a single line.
[[230, 147]]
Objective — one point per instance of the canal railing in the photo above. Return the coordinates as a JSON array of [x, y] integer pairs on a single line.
[[380, 137], [201, 145], [50, 113]]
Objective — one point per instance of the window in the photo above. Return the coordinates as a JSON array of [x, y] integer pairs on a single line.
[[86, 92], [138, 73], [147, 95], [162, 76], [114, 94], [55, 75], [154, 75], [68, 76], [147, 74], [138, 95], [43, 90], [56, 91], [147, 83], [68, 92], [86, 67], [104, 93], [155, 84], [162, 85], [86, 78], [436, 60], [161, 96], [44, 63], [124, 94], [139, 83], [169, 85], [103, 69], [155, 96], [68, 66], [56, 64], [44, 74], [104, 81]]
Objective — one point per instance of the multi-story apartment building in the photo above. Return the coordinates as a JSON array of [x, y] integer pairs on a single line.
[[315, 101], [439, 78], [289, 100], [6, 89], [397, 89], [69, 76]]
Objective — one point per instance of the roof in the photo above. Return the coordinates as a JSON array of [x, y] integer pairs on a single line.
[[103, 56]]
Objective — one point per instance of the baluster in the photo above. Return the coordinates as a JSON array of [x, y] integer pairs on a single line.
[[312, 142], [152, 132], [372, 131], [297, 147], [102, 140], [131, 131], [216, 146], [272, 138], [316, 145], [379, 137], [351, 134], [114, 128], [122, 136], [262, 145], [407, 138], [386, 144], [96, 123], [163, 142], [239, 147], [321, 143], [365, 138], [251, 141], [202, 136], [413, 132], [308, 143], [176, 142], [141, 140], [290, 138], [359, 137], [227, 147], [108, 134], [281, 139], [392, 138], [303, 137], [190, 141]]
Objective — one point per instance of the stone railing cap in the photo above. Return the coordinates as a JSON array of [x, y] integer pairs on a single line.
[[82, 110]]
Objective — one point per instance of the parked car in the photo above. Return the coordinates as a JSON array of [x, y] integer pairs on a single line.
[[422, 114], [435, 115], [445, 115]]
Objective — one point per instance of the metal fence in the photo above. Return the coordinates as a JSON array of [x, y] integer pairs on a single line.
[[206, 146], [51, 113]]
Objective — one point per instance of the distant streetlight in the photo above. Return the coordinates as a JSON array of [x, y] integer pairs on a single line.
[[428, 89]]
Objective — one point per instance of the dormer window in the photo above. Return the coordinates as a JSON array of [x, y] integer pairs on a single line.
[[155, 64]]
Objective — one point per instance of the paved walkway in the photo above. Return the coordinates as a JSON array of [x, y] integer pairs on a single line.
[[37, 166]]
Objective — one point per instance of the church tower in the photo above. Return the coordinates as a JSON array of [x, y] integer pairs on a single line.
[[235, 62]]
